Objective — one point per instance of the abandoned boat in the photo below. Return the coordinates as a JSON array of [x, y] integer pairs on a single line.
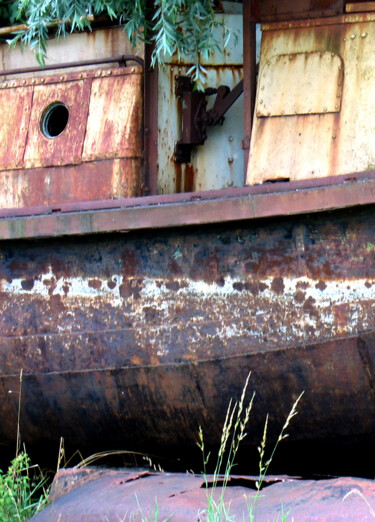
[[149, 262]]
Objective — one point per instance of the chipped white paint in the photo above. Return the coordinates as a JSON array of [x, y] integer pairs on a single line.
[[335, 292], [342, 306]]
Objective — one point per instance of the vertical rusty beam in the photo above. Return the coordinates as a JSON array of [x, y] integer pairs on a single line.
[[249, 72], [150, 119]]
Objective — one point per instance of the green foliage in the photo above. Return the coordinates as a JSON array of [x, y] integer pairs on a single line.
[[8, 11], [22, 491], [175, 26]]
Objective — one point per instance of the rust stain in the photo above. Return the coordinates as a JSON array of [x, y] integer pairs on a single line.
[[189, 178], [97, 155]]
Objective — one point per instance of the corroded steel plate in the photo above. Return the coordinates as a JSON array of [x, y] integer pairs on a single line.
[[301, 83]]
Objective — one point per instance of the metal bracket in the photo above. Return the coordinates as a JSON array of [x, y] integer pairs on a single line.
[[196, 118]]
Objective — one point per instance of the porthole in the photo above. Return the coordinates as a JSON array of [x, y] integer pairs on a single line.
[[54, 120]]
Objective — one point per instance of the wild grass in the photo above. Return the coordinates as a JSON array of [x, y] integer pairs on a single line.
[[233, 433], [23, 487]]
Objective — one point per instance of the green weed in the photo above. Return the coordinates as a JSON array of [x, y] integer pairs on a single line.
[[233, 433], [22, 490]]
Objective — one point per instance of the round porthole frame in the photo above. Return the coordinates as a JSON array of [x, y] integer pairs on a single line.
[[54, 120]]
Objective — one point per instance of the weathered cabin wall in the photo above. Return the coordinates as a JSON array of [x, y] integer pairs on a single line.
[[314, 100], [100, 43], [219, 162], [99, 154]]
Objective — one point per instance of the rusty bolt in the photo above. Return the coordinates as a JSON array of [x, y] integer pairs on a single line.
[[334, 137], [352, 36], [230, 159], [364, 35]]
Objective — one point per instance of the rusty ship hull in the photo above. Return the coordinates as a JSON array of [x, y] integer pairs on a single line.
[[135, 340]]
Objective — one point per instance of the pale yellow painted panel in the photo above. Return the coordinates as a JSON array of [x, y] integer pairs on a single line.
[[327, 144], [300, 83]]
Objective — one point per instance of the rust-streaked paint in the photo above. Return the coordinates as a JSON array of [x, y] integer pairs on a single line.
[[15, 117], [313, 142], [137, 339], [58, 186], [271, 10], [105, 123], [235, 204]]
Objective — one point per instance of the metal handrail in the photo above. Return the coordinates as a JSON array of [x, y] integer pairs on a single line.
[[120, 59]]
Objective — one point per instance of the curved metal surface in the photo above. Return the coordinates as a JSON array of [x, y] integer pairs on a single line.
[[135, 340], [130, 496]]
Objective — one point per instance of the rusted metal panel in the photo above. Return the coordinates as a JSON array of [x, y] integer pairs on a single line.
[[131, 496], [65, 149], [272, 10], [150, 336], [236, 204], [15, 107], [318, 145], [114, 126], [300, 83], [55, 186], [103, 121], [359, 7]]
